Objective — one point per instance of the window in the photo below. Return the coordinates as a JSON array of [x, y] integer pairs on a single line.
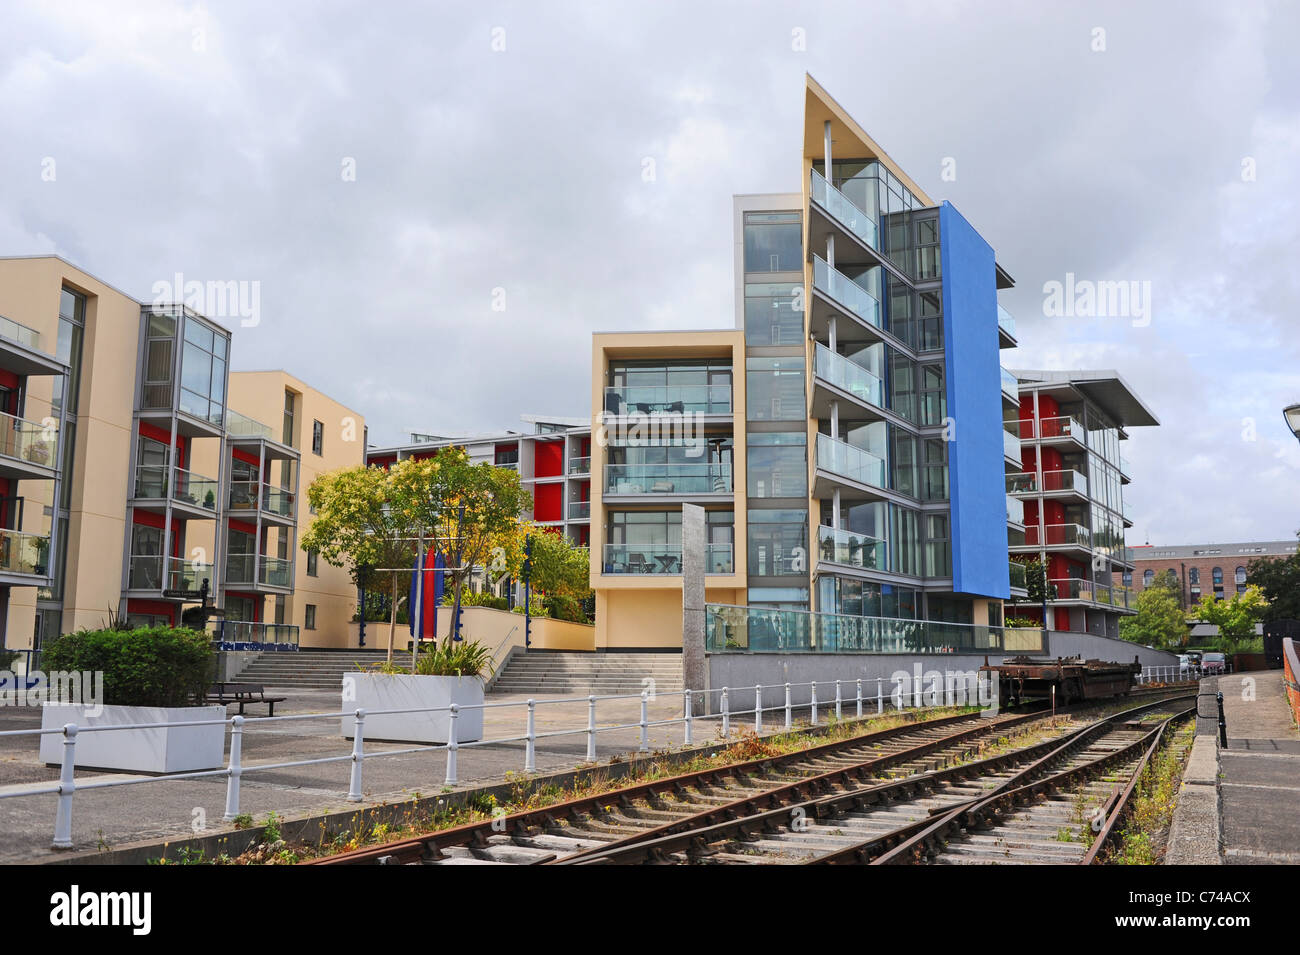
[[777, 465], [774, 389], [286, 436], [317, 437], [1241, 575], [771, 314], [1218, 576], [311, 563], [309, 617], [203, 371], [1147, 577], [1194, 576], [773, 242]]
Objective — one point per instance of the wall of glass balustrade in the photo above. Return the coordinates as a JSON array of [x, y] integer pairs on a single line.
[[1104, 484], [776, 452]]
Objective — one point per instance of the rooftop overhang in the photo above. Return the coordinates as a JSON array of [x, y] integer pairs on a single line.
[[1104, 388]]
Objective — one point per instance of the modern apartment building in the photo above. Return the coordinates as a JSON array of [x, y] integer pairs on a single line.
[[1071, 425], [846, 438], [1216, 569], [142, 477]]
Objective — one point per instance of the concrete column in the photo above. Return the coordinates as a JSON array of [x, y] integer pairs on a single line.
[[826, 149], [694, 667], [835, 508], [834, 336], [830, 250], [835, 420]]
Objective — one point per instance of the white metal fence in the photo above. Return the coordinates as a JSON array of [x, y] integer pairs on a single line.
[[848, 695]]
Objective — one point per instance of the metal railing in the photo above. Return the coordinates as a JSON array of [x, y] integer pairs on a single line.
[[701, 478], [186, 487], [245, 495], [24, 553], [252, 635], [663, 559], [768, 699], [36, 442], [1064, 426], [146, 573], [1067, 480], [843, 210]]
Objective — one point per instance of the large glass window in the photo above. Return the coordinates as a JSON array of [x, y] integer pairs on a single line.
[[773, 242], [657, 387], [865, 598], [774, 389], [203, 372], [905, 541], [938, 554], [778, 542], [777, 464], [772, 313], [72, 321]]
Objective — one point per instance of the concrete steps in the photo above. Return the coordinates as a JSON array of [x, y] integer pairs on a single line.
[[587, 673], [312, 669]]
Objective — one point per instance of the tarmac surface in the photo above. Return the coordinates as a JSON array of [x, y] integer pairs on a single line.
[[169, 809]]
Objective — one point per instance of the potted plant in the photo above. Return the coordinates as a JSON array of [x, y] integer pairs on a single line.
[[126, 676], [452, 673]]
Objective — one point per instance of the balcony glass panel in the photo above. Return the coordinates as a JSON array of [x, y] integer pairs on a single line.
[[246, 631], [20, 333], [580, 465], [186, 487], [668, 478], [663, 560], [842, 209], [244, 426], [1015, 510], [1010, 446], [855, 550], [668, 399], [1006, 322], [1065, 426], [24, 553], [31, 441], [1009, 383], [845, 291], [1059, 535], [1065, 481], [848, 375], [1018, 578], [183, 574], [579, 510], [849, 462], [276, 572], [1022, 483]]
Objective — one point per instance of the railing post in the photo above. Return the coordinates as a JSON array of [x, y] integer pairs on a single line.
[[838, 701], [591, 728], [814, 703], [726, 715], [880, 697], [1223, 723], [859, 698], [67, 786], [758, 707], [788, 722], [452, 713], [916, 692], [645, 721], [530, 746], [358, 745], [232, 780], [687, 718]]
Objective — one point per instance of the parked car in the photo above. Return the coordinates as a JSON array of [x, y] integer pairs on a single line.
[[1213, 663], [1185, 666]]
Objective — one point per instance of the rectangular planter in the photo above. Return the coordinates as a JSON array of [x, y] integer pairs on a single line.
[[176, 748], [378, 691]]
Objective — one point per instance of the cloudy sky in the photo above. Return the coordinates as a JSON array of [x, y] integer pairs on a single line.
[[383, 169]]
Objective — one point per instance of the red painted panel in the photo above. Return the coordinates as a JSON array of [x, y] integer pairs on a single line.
[[158, 434], [1062, 615], [549, 459], [241, 526], [8, 379], [548, 502], [160, 607], [244, 456], [384, 461]]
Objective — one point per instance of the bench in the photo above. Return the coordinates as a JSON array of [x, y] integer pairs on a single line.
[[243, 694]]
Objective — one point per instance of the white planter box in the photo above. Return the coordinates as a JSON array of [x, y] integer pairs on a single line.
[[177, 748], [378, 691]]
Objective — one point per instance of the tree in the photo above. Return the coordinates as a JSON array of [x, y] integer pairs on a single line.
[[1160, 621], [364, 522], [468, 513], [1279, 583], [1236, 616], [557, 566]]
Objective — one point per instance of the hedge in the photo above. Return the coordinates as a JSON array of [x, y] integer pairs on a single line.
[[147, 666]]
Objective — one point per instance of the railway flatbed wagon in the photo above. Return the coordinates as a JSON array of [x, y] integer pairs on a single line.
[[1022, 678]]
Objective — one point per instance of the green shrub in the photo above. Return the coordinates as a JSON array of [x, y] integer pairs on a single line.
[[147, 666], [470, 599], [7, 658], [464, 658], [560, 607], [1024, 622]]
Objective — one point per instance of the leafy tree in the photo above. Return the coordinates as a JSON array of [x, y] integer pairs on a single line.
[[364, 521], [558, 567], [1236, 616], [1279, 582], [1160, 621], [469, 514]]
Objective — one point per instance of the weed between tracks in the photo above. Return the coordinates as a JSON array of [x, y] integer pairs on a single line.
[[526, 794], [1143, 839]]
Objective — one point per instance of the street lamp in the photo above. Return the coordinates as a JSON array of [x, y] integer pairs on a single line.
[[1292, 416]]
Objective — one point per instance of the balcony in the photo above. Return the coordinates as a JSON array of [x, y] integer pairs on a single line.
[[145, 572], [1006, 328], [1018, 578], [846, 293], [668, 479], [28, 449], [1063, 428], [14, 332], [1011, 447], [1124, 472], [663, 560], [242, 426], [247, 635], [254, 572], [839, 546], [275, 502], [1065, 482], [580, 465], [25, 554], [1010, 386], [579, 510], [668, 399], [840, 208], [847, 376], [1059, 535], [20, 351], [850, 463], [1126, 510], [1015, 510], [1025, 482], [193, 492]]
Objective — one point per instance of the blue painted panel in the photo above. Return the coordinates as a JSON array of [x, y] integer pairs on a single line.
[[971, 365]]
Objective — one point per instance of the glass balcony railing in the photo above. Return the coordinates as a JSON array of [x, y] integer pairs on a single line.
[[1065, 426], [186, 487], [21, 334], [1010, 384], [1010, 446], [242, 426], [1006, 322], [1024, 483], [849, 462], [282, 635], [146, 573], [762, 630], [1065, 481], [579, 510], [663, 560], [847, 292], [36, 442], [1018, 578], [1127, 510], [668, 399], [848, 375], [1059, 535], [580, 465], [244, 570], [843, 210], [24, 553], [668, 478], [855, 550], [276, 572], [1123, 466], [1015, 510], [249, 495]]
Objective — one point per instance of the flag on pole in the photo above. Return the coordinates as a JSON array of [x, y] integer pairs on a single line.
[[415, 600]]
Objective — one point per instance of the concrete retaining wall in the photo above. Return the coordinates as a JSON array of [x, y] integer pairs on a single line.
[[1090, 646]]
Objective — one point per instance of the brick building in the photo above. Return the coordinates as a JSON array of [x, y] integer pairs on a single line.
[[1218, 569]]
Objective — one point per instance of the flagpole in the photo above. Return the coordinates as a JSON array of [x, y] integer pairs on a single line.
[[419, 601]]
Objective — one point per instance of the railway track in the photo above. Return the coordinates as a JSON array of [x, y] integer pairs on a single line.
[[819, 804]]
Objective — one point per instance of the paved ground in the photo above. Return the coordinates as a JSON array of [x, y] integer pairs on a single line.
[[167, 809]]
